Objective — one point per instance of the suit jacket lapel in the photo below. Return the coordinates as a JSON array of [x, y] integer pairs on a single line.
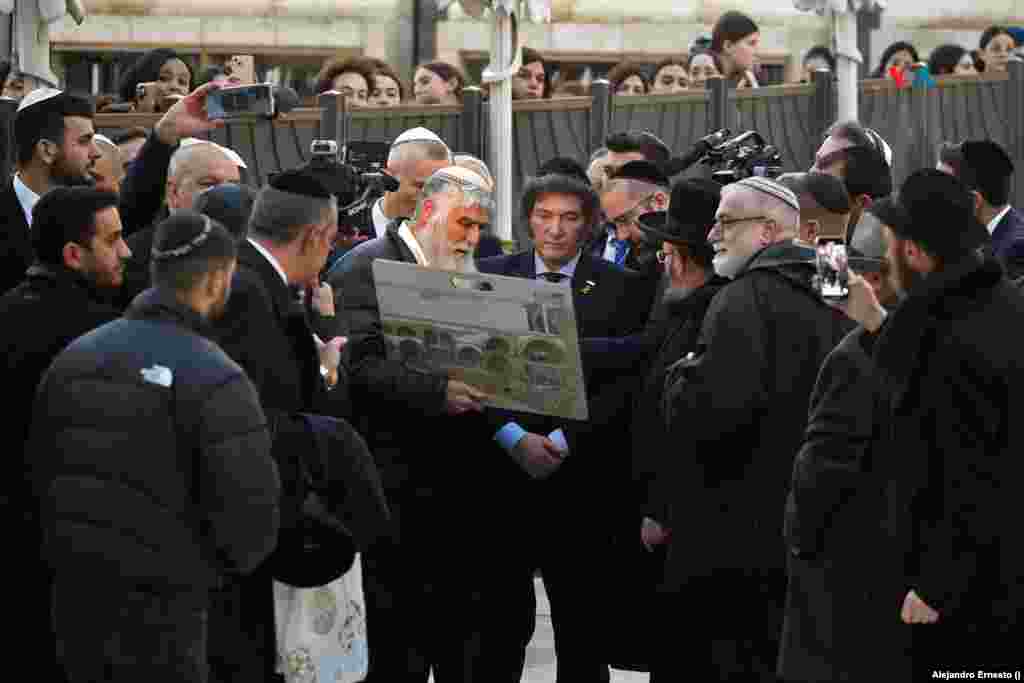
[[527, 266]]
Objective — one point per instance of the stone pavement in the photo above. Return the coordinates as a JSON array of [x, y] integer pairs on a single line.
[[540, 656]]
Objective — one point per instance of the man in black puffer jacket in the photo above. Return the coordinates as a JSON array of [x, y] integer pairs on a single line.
[[151, 455]]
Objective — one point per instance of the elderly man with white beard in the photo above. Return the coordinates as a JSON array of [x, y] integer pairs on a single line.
[[433, 447], [740, 408]]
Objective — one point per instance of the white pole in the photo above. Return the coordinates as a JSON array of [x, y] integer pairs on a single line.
[[504, 65], [848, 57]]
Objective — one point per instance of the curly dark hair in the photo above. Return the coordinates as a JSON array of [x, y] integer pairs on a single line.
[[337, 66], [732, 26], [623, 70], [146, 69], [898, 46], [447, 72], [384, 69]]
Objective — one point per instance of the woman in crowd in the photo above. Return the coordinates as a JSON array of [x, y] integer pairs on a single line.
[[387, 90], [900, 56], [817, 58], [438, 83], [670, 75], [532, 82], [155, 81], [997, 45], [352, 77], [703, 65], [627, 78], [951, 59], [735, 39]]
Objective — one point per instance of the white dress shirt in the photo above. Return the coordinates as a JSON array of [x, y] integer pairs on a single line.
[[405, 232], [568, 269], [380, 221], [26, 197], [994, 223]]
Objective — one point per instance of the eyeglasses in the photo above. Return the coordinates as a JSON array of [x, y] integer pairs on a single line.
[[663, 256], [726, 224], [630, 217]]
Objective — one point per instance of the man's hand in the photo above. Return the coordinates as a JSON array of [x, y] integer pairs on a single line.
[[862, 305], [915, 611], [538, 456], [323, 299], [462, 398], [653, 534], [188, 117]]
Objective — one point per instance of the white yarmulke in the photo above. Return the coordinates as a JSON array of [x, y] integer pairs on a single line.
[[418, 135], [770, 187], [231, 154], [104, 139], [39, 95]]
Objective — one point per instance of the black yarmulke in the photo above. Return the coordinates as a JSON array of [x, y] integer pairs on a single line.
[[643, 171], [987, 157], [563, 166], [180, 234], [301, 182]]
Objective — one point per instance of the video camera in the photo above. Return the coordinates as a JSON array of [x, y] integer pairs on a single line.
[[731, 158], [357, 181]]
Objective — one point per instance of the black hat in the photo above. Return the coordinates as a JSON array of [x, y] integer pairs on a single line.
[[934, 209], [985, 156], [229, 204], [827, 191], [299, 181], [643, 171], [690, 216]]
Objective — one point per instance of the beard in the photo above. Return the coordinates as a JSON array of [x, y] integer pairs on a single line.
[[439, 251], [731, 264], [65, 175]]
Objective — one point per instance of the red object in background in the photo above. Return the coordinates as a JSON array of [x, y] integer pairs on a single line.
[[898, 75]]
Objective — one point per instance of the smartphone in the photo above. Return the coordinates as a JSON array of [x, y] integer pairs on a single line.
[[367, 157], [833, 274], [242, 102]]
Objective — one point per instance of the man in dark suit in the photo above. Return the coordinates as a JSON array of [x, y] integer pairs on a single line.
[[79, 254], [987, 171], [949, 366], [265, 330], [562, 530], [54, 133], [446, 482]]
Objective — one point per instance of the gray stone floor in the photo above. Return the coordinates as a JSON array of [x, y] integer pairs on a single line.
[[540, 656]]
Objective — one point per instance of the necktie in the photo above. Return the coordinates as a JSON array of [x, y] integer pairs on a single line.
[[554, 277], [620, 251]]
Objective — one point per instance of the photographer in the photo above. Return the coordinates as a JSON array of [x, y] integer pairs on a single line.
[[414, 156], [740, 407]]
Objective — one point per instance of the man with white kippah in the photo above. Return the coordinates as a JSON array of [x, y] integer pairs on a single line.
[[54, 132], [736, 414], [414, 156], [432, 444], [107, 172]]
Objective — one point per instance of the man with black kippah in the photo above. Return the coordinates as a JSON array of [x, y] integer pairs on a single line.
[[987, 171], [266, 330], [54, 133], [949, 364], [137, 543], [79, 256]]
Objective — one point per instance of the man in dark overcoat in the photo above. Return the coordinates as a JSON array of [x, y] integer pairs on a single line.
[[948, 360], [739, 410]]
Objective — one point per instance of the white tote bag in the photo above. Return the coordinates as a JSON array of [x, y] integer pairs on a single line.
[[321, 632]]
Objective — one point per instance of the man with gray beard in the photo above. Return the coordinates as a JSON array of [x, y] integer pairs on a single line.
[[429, 437]]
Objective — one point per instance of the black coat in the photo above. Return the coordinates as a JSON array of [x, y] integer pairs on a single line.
[[741, 412], [845, 577], [950, 362], [202, 501], [16, 253], [1008, 243], [142, 193]]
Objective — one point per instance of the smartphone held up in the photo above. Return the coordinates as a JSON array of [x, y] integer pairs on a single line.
[[833, 276]]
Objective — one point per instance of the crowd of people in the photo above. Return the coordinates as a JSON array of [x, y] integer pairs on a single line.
[[769, 486], [160, 77]]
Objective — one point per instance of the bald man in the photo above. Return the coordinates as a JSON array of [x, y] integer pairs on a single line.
[[196, 166], [108, 170], [736, 418]]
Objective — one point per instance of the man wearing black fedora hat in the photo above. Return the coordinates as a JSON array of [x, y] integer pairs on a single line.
[[950, 365]]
